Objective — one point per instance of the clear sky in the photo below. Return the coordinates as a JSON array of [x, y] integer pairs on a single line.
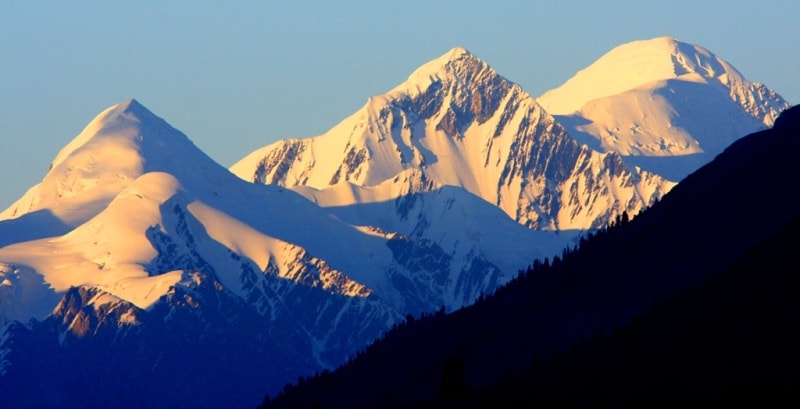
[[237, 75]]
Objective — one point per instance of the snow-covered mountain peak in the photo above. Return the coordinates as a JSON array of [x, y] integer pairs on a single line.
[[457, 52], [119, 145], [420, 123], [130, 106], [122, 119], [665, 105], [460, 124], [637, 63], [457, 67], [439, 65]]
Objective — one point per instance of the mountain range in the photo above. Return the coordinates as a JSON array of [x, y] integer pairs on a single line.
[[456, 122], [621, 320], [140, 259]]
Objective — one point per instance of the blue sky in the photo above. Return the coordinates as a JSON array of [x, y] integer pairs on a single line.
[[235, 76]]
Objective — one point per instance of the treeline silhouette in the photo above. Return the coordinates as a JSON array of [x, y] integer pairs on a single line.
[[731, 340], [424, 344], [684, 300]]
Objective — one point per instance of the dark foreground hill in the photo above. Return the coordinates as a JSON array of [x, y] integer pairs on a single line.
[[731, 340], [695, 298]]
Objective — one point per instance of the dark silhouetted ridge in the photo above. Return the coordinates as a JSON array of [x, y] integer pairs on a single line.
[[689, 300]]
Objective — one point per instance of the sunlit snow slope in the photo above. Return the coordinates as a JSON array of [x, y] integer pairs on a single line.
[[132, 214], [135, 240], [130, 196], [458, 123], [665, 105]]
